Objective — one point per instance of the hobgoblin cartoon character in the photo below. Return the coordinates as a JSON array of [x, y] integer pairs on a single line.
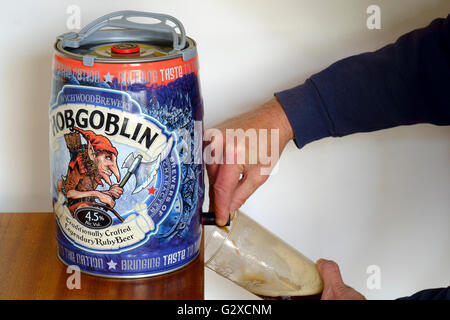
[[89, 167]]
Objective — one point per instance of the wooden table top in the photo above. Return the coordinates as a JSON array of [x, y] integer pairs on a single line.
[[30, 268]]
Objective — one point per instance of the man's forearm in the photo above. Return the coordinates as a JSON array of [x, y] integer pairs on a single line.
[[403, 83]]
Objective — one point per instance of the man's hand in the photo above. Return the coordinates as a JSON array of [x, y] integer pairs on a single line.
[[232, 182], [334, 288]]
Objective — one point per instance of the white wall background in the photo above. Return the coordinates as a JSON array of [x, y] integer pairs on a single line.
[[381, 198]]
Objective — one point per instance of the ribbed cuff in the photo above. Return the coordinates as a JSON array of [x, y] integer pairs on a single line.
[[303, 108]]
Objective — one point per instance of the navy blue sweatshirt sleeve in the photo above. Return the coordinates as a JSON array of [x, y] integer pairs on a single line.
[[430, 294], [404, 83]]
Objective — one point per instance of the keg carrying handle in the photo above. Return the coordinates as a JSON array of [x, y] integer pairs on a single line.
[[119, 19]]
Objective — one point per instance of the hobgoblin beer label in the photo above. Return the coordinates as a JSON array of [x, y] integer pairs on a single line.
[[112, 138], [126, 196]]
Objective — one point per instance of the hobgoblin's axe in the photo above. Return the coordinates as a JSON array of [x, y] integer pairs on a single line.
[[144, 172]]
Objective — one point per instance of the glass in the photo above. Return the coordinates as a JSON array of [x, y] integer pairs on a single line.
[[257, 260]]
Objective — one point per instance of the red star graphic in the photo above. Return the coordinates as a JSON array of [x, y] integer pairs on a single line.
[[152, 190]]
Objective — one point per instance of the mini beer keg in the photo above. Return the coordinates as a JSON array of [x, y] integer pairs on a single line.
[[125, 146]]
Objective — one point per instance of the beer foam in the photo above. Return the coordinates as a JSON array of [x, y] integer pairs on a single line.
[[272, 284], [292, 274]]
